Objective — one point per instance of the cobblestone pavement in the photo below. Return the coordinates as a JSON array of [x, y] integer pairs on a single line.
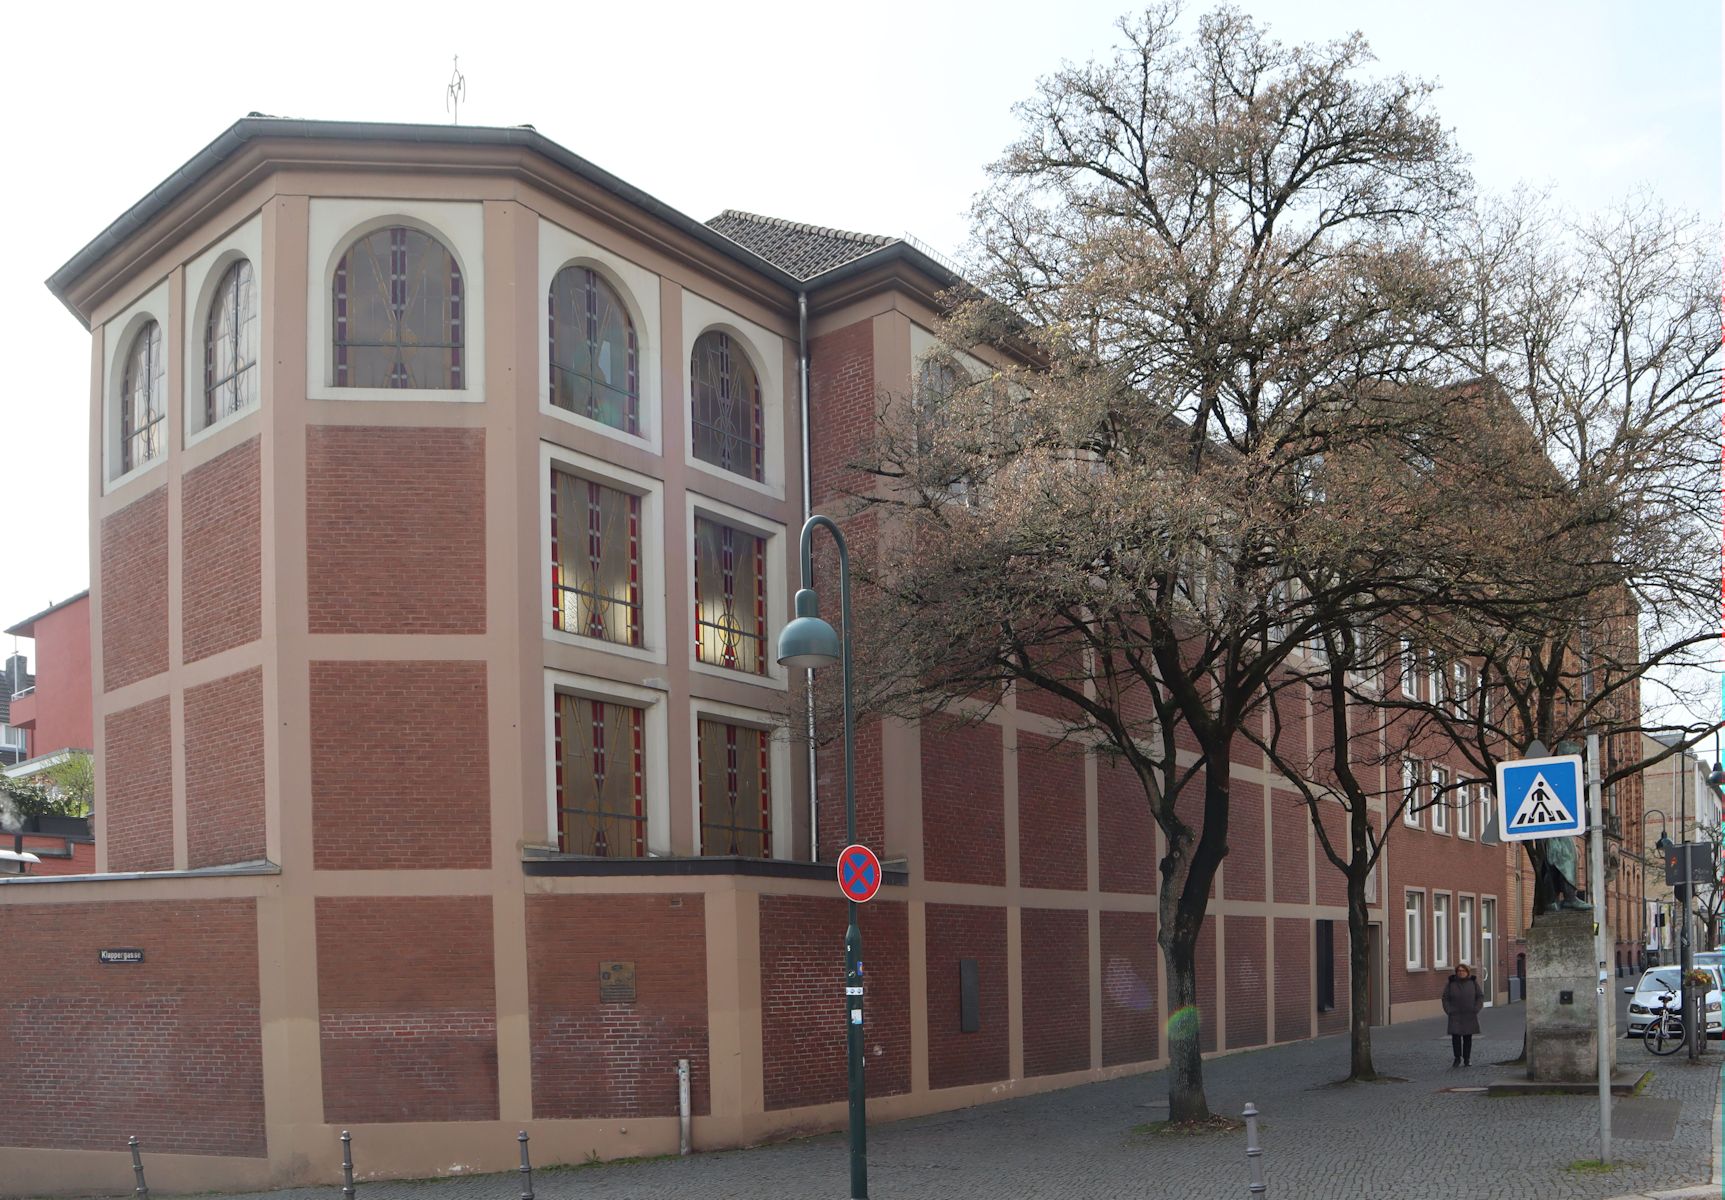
[[1385, 1141]]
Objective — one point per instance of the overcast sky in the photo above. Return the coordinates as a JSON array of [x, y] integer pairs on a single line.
[[877, 117]]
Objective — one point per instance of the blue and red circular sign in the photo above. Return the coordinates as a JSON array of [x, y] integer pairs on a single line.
[[859, 873]]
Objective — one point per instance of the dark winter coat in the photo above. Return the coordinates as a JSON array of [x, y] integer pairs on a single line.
[[1462, 1000]]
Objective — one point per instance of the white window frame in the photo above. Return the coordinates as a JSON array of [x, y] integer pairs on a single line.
[[1487, 806], [1464, 813], [117, 336], [639, 289], [779, 753], [1413, 927], [1439, 806], [654, 638], [1409, 682], [1440, 930], [1411, 785], [1467, 931], [334, 225], [695, 504], [203, 275], [657, 792], [766, 353]]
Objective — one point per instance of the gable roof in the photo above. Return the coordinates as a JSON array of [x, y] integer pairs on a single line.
[[798, 249]]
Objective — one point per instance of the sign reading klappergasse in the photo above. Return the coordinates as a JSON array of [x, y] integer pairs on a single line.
[[120, 956], [1540, 798]]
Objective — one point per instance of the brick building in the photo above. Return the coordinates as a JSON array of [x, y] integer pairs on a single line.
[[50, 714], [444, 492]]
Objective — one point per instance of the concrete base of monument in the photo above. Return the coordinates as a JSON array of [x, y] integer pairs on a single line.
[[1624, 1081], [1562, 999]]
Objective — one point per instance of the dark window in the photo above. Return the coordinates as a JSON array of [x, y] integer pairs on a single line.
[[601, 782], [730, 597], [231, 346], [728, 423], [736, 788], [594, 367], [595, 559], [400, 310], [142, 401], [1326, 966]]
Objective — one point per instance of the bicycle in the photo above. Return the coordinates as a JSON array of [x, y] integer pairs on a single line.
[[1664, 1034]]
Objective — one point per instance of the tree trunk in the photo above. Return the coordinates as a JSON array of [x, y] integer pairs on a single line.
[[1186, 1099], [1359, 982]]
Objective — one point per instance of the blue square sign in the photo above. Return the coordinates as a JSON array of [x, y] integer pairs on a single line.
[[1540, 798]]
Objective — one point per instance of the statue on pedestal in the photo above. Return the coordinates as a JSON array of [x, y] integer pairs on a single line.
[[1560, 874]]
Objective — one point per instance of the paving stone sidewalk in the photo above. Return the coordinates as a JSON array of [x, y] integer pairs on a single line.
[[1386, 1141]]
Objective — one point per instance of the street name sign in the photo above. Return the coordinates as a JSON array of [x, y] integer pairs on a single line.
[[1540, 798], [859, 873]]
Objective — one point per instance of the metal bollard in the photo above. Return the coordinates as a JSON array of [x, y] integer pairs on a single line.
[[526, 1168], [1254, 1152], [347, 1164], [142, 1191]]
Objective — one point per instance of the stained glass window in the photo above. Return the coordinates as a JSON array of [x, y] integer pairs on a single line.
[[143, 427], [231, 346], [595, 559], [601, 782], [730, 597], [399, 313], [594, 356], [736, 789], [729, 429]]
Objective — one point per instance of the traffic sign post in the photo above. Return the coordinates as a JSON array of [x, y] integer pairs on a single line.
[[1539, 798]]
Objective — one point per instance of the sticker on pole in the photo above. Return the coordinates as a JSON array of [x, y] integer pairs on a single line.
[[1539, 798], [859, 873]]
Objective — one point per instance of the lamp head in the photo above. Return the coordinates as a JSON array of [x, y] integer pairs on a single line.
[[808, 641], [1716, 778]]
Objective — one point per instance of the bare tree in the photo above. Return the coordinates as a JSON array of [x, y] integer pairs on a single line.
[[1219, 251]]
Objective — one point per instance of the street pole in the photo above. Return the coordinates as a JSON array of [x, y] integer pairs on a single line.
[[1596, 872], [1685, 940], [853, 934]]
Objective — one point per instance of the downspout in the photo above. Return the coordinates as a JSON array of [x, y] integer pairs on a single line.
[[808, 509]]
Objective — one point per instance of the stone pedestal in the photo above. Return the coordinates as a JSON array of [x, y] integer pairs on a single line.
[[1562, 983]]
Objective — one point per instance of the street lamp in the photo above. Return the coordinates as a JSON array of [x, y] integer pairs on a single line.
[[1641, 856], [809, 642]]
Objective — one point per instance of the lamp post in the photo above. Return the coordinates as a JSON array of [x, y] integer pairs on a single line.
[[1641, 857], [809, 642]]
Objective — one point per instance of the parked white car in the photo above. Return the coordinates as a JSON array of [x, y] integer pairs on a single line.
[[1644, 998]]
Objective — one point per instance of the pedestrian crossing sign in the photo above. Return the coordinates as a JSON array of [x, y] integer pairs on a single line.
[[1540, 798]]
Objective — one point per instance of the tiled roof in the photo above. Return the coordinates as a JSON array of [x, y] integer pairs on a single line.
[[798, 249]]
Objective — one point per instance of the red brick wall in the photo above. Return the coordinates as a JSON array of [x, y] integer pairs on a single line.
[[395, 530], [1051, 832], [871, 809], [1294, 999], [1248, 982], [1055, 950], [963, 810], [1206, 971], [803, 1000], [139, 787], [842, 399], [956, 931], [1332, 884], [168, 1049], [593, 1058], [62, 704], [1127, 837], [81, 860], [402, 773], [1291, 872], [221, 581], [1131, 1004], [1418, 858], [225, 770], [135, 591], [1243, 868], [408, 1009]]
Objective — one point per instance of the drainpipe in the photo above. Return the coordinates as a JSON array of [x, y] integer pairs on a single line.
[[808, 508]]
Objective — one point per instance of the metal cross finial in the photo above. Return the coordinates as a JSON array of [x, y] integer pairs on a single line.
[[455, 92]]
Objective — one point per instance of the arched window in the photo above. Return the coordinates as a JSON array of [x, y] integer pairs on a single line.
[[231, 346], [729, 429], [595, 368], [143, 430], [399, 313]]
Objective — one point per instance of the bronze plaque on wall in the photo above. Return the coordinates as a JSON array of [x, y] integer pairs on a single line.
[[617, 982]]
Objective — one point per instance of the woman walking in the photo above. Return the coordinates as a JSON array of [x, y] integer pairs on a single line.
[[1462, 1000]]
